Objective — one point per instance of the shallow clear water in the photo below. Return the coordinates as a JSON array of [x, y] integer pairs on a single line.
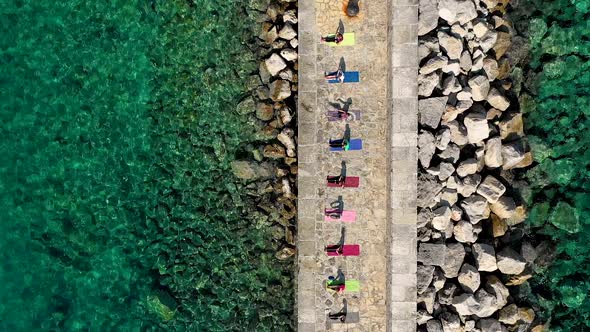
[[117, 207]]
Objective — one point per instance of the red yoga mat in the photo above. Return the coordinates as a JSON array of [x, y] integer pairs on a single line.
[[349, 182], [348, 250]]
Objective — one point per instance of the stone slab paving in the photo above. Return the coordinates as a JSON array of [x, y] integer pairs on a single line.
[[385, 202]]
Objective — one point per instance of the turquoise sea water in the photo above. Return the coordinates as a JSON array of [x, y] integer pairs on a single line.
[[555, 99], [117, 208]]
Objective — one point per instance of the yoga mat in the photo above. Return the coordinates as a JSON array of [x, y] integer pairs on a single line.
[[348, 250], [351, 318], [349, 77], [352, 286], [349, 182], [346, 216], [333, 116], [355, 144], [348, 40]]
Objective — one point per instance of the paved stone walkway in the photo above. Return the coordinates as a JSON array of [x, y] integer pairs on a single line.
[[385, 54]]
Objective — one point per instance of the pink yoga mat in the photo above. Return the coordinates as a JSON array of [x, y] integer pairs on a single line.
[[347, 216], [349, 182], [348, 250]]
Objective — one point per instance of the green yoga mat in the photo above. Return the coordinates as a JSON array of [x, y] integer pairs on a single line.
[[347, 41], [352, 286]]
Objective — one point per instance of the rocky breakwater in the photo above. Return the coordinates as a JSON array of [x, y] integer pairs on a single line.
[[471, 141], [269, 172]]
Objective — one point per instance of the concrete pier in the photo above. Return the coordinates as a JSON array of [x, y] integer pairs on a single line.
[[385, 55]]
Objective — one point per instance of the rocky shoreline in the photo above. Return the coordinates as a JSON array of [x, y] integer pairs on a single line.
[[270, 171], [471, 143]]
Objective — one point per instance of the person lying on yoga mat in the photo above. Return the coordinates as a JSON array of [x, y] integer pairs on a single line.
[[340, 143], [340, 315], [337, 248], [339, 179], [335, 75], [335, 38]]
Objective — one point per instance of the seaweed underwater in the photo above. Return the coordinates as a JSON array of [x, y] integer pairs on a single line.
[[119, 209]]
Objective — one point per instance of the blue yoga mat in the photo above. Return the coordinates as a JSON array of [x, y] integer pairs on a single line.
[[349, 77], [355, 144]]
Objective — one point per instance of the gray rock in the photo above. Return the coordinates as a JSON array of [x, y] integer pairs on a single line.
[[510, 262], [504, 208], [452, 45], [509, 314], [452, 67], [490, 66], [480, 87], [449, 197], [465, 61], [498, 100], [290, 16], [467, 167], [469, 325], [443, 138], [528, 252], [476, 208], [452, 11], [428, 188], [438, 279], [496, 287], [433, 64], [488, 41], [456, 213], [288, 142], [434, 325], [422, 317], [450, 85], [432, 254], [477, 125], [427, 297], [424, 275], [512, 154], [458, 132], [480, 28], [288, 32], [491, 325], [275, 64], [426, 148], [451, 322], [450, 154], [469, 278], [468, 185], [491, 189], [493, 152], [453, 259], [427, 83], [447, 293], [485, 257], [428, 45], [431, 110], [442, 218], [280, 90], [442, 170], [428, 16], [466, 232], [264, 73], [289, 54], [481, 304]]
